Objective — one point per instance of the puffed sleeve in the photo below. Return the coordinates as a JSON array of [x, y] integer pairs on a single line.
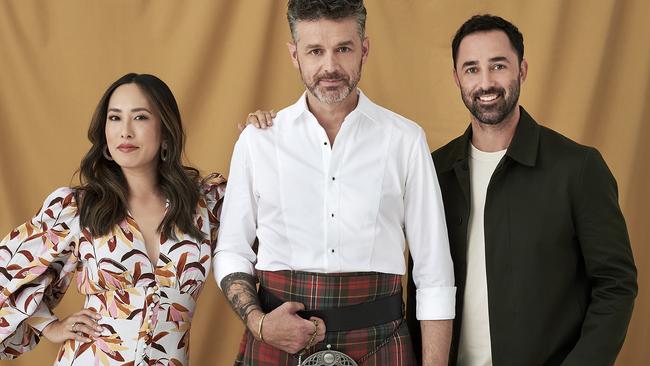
[[214, 188], [37, 260]]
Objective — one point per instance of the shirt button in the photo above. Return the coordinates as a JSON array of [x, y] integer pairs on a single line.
[[332, 250], [325, 143], [333, 178], [332, 215]]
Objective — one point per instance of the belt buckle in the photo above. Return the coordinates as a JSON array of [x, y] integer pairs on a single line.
[[328, 357]]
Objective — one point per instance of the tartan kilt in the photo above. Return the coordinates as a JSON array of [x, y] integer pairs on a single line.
[[327, 290]]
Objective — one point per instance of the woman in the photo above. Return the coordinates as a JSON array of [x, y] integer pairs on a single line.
[[139, 231]]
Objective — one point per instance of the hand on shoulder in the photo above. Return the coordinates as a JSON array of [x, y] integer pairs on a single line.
[[259, 119]]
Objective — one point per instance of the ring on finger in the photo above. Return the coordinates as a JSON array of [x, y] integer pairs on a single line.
[[72, 328]]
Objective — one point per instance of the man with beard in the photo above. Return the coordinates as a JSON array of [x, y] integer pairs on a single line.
[[333, 192], [541, 254]]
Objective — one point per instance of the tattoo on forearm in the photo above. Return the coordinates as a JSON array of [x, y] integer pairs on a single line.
[[241, 292]]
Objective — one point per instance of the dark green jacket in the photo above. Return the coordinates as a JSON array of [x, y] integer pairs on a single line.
[[561, 278]]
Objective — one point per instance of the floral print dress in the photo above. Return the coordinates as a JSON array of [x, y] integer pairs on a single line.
[[146, 310]]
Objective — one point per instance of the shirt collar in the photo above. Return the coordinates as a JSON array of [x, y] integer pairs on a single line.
[[525, 143], [364, 107], [523, 147]]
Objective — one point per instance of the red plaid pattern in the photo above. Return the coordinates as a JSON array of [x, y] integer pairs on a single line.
[[322, 291]]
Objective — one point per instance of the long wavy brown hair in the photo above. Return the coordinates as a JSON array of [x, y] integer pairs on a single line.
[[103, 192]]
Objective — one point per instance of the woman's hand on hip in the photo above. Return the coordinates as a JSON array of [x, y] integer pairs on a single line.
[[81, 326]]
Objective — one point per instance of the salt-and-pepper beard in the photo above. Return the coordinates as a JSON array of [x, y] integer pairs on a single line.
[[341, 94], [494, 114]]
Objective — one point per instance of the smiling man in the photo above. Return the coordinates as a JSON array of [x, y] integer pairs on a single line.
[[541, 254], [333, 192]]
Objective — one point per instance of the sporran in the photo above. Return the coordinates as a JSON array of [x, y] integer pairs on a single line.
[[328, 357]]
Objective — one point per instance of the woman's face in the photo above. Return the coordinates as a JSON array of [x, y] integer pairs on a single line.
[[133, 129]]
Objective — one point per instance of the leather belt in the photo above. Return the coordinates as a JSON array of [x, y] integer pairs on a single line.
[[345, 318]]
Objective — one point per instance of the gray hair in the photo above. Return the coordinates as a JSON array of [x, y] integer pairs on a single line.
[[310, 10]]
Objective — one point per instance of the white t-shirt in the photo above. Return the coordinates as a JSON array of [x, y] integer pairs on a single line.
[[475, 347]]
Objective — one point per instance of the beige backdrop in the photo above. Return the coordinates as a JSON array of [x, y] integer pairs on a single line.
[[589, 78]]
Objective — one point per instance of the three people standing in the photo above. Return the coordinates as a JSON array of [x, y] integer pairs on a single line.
[[319, 210]]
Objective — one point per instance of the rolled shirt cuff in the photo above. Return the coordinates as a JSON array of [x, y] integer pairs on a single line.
[[228, 263], [436, 303]]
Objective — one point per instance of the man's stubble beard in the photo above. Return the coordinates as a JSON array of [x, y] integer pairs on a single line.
[[333, 95], [497, 113]]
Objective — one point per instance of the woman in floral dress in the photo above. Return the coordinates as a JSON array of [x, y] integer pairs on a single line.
[[139, 232]]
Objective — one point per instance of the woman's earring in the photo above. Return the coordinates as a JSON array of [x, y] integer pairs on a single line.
[[163, 151], [107, 155]]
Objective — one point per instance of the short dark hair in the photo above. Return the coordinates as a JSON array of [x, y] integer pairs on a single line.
[[310, 10], [484, 23]]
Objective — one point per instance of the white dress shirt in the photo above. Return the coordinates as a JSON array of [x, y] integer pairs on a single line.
[[346, 208]]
